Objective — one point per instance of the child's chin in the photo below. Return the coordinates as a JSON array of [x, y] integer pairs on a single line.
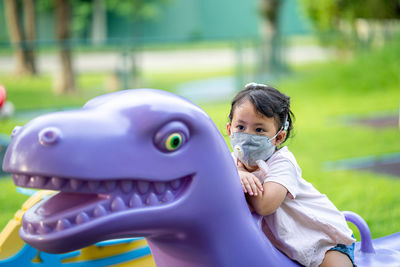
[[251, 167]]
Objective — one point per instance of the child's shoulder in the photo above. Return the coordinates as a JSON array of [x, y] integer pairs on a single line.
[[283, 155]]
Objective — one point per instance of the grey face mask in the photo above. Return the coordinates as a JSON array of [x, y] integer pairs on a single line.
[[249, 148]]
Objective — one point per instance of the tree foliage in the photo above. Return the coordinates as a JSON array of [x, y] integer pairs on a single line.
[[326, 14], [82, 11], [135, 10], [351, 23]]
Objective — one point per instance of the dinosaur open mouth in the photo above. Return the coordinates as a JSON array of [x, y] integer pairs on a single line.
[[81, 201]]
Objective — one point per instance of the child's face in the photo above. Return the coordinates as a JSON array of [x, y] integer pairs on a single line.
[[248, 120]]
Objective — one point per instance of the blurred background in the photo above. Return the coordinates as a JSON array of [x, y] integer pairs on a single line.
[[338, 60]]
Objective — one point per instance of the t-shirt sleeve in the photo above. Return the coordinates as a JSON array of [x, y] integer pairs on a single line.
[[284, 173]]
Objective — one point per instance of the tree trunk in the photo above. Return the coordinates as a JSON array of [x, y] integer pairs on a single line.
[[29, 25], [270, 11], [66, 84], [14, 29]]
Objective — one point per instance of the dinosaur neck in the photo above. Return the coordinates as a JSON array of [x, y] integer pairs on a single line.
[[215, 244]]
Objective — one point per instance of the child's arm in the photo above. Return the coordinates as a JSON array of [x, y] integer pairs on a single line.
[[270, 199], [250, 183]]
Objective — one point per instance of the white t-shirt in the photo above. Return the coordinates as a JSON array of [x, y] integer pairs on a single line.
[[307, 224]]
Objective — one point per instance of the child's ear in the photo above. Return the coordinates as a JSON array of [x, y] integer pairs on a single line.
[[281, 137], [228, 129]]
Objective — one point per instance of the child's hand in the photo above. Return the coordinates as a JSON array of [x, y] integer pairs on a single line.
[[250, 183]]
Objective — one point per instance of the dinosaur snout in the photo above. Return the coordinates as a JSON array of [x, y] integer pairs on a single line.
[[49, 136]]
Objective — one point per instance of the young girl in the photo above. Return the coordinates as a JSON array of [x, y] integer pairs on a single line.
[[298, 220]]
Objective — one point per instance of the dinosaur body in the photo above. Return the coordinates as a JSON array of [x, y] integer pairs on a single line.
[[122, 172], [117, 179]]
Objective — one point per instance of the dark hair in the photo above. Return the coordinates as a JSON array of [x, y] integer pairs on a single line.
[[268, 101]]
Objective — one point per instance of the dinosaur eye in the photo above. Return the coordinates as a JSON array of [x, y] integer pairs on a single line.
[[171, 137], [173, 142]]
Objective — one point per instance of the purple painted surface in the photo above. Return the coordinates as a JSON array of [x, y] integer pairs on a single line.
[[118, 178]]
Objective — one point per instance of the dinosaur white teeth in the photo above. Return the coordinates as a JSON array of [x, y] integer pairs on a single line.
[[62, 224], [159, 187], [75, 184], [43, 228], [100, 198], [37, 181], [117, 204], [135, 201], [97, 186], [152, 199], [82, 218], [30, 229], [57, 182], [21, 179], [99, 211], [143, 187], [175, 184], [126, 186], [168, 197]]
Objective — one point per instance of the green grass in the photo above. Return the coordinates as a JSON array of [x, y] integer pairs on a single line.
[[10, 201], [322, 96], [35, 92]]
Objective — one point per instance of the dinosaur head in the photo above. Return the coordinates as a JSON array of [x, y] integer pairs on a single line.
[[133, 163]]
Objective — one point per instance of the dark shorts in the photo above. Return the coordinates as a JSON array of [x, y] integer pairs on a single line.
[[348, 250]]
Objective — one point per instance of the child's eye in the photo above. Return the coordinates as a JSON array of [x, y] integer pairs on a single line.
[[240, 127], [259, 130]]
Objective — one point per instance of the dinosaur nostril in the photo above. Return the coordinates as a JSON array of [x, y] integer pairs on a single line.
[[15, 131], [49, 136]]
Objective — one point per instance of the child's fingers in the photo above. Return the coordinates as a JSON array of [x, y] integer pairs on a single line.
[[254, 187], [259, 185], [251, 187], [248, 187]]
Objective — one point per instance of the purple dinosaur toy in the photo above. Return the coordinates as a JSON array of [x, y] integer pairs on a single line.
[[146, 163]]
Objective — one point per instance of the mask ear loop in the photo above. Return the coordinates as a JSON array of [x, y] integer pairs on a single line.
[[284, 127]]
